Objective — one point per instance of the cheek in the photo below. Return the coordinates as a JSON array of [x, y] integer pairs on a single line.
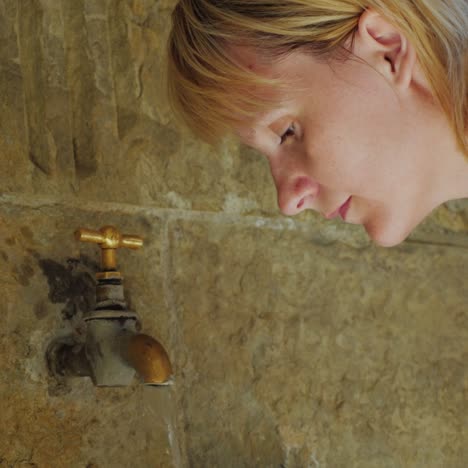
[[338, 162], [355, 155]]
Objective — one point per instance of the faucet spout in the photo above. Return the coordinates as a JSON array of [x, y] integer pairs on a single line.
[[149, 358]]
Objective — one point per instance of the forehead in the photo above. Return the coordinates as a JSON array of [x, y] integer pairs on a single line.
[[251, 58], [293, 70]]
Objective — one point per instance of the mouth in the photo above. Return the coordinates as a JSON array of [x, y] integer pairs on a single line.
[[341, 211]]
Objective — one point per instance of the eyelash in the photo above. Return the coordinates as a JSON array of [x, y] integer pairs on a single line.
[[288, 133]]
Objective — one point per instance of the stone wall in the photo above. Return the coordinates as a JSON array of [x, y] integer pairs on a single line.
[[295, 341]]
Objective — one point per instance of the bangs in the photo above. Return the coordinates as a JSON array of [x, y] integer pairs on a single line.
[[212, 94], [209, 91]]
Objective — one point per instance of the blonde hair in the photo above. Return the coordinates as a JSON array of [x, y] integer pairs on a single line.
[[211, 93]]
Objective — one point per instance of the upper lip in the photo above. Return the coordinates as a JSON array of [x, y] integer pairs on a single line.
[[336, 213]]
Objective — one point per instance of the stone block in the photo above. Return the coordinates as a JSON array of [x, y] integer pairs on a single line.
[[48, 284], [297, 353]]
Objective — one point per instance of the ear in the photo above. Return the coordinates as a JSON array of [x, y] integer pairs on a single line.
[[385, 48]]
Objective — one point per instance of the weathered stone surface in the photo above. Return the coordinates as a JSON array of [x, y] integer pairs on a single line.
[[47, 286], [88, 80], [296, 343], [15, 168], [84, 111], [300, 354]]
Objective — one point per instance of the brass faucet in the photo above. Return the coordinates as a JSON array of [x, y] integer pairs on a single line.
[[114, 349]]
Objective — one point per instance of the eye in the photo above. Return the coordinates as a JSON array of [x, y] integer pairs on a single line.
[[288, 133]]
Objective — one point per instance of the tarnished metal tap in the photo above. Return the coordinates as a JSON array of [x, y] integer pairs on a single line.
[[114, 349]]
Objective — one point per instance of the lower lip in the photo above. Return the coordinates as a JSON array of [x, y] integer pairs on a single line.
[[344, 208]]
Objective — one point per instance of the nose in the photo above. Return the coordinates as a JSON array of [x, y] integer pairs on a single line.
[[296, 195]]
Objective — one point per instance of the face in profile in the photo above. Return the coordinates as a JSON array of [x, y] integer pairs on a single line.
[[352, 140]]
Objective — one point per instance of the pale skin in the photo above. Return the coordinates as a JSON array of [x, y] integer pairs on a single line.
[[367, 134]]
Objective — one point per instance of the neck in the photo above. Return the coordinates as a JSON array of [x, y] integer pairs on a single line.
[[449, 164], [457, 179], [450, 171]]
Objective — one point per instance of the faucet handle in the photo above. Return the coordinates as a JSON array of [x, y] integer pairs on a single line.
[[109, 240]]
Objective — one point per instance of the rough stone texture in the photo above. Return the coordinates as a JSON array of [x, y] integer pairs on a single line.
[[48, 284], [296, 343], [83, 105], [297, 353]]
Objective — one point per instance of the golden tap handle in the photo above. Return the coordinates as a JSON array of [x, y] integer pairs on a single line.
[[109, 239]]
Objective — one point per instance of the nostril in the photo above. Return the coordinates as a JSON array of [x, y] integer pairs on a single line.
[[304, 188], [296, 195]]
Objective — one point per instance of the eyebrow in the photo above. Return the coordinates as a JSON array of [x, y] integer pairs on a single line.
[[270, 118], [262, 125]]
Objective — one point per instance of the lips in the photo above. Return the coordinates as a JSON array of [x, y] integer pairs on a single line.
[[341, 211], [344, 208]]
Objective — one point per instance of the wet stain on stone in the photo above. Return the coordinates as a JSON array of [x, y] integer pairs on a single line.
[[85, 261], [33, 253], [40, 310], [69, 285]]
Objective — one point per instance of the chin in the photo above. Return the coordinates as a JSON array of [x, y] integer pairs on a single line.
[[389, 226], [386, 236]]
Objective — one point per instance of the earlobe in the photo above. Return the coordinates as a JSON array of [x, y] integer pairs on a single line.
[[384, 47]]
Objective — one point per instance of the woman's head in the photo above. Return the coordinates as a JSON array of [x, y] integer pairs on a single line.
[[346, 98]]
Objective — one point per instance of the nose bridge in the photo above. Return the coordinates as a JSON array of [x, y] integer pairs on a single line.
[[276, 172], [285, 167], [281, 177]]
